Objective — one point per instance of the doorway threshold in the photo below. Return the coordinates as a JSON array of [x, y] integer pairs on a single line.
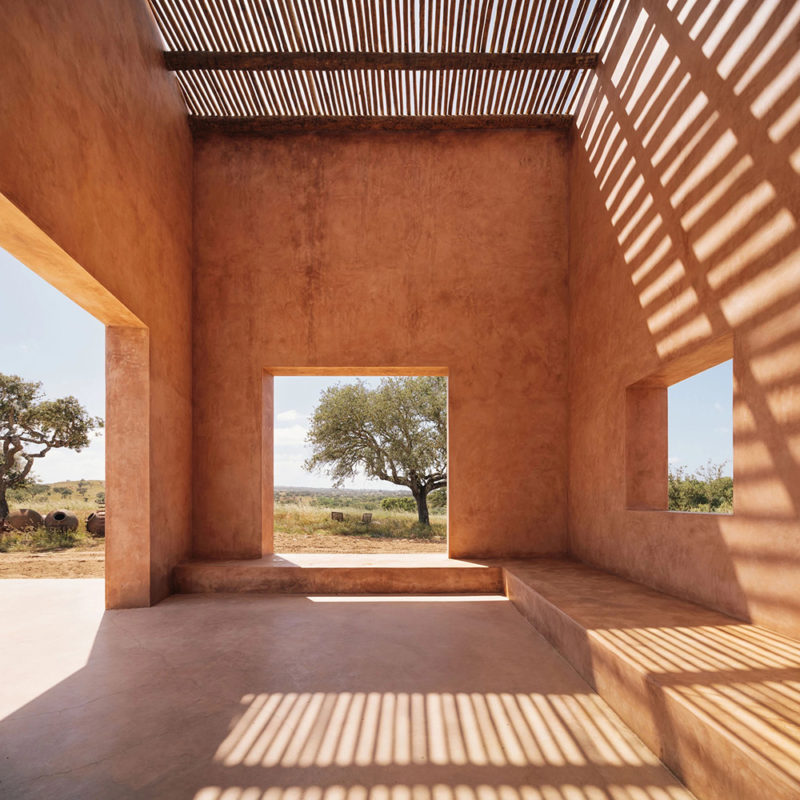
[[342, 573]]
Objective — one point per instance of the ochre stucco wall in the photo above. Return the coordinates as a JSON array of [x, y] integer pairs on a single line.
[[673, 216], [96, 152], [443, 250], [683, 228]]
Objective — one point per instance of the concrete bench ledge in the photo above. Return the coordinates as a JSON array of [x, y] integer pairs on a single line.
[[717, 699], [314, 573]]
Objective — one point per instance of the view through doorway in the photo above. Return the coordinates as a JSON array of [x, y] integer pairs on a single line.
[[360, 464], [55, 493]]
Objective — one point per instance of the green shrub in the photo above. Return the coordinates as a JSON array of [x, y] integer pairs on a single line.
[[39, 540], [399, 504], [706, 490], [438, 499]]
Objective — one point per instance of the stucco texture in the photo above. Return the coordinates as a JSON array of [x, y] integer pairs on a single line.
[[95, 154], [446, 250], [683, 233], [559, 281]]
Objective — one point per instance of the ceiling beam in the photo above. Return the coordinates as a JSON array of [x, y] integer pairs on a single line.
[[202, 60], [259, 126]]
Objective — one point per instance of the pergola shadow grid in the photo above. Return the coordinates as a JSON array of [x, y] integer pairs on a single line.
[[254, 66]]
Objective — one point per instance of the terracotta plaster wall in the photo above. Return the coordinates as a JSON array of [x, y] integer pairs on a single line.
[[685, 201], [96, 152], [385, 250]]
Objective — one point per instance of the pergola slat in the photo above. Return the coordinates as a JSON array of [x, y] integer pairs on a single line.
[[308, 123], [332, 61], [394, 64]]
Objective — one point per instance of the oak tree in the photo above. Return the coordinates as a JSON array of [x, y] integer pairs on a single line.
[[31, 426], [396, 432]]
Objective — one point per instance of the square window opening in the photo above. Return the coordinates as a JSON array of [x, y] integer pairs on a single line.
[[679, 434], [700, 424]]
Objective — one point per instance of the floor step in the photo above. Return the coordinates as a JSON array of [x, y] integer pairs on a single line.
[[717, 699], [313, 573]]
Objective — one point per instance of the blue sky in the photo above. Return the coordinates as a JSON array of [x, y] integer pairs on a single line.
[[295, 400], [701, 419], [46, 337]]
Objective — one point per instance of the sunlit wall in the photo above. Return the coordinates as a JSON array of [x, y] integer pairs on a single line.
[[685, 195]]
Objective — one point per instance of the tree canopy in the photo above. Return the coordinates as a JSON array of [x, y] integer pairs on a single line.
[[396, 432], [707, 489], [31, 426]]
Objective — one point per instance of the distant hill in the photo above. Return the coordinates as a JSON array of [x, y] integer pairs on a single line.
[[312, 491], [72, 495], [97, 486]]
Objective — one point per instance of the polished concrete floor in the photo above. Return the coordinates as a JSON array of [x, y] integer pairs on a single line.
[[258, 697]]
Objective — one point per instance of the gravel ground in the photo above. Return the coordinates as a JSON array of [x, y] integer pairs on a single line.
[[75, 562], [89, 562]]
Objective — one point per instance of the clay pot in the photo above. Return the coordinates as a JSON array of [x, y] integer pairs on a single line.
[[61, 520], [25, 519], [96, 523]]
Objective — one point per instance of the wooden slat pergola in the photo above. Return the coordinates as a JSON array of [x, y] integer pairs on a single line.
[[264, 65]]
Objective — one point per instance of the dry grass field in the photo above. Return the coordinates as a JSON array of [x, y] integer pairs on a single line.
[[302, 528], [303, 524], [55, 554]]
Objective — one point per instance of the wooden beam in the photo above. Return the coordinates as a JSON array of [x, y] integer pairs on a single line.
[[201, 60], [260, 126]]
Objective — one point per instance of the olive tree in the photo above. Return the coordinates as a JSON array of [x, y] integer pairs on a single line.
[[396, 432], [31, 426]]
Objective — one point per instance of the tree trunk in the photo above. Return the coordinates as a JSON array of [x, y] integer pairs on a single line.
[[3, 503], [422, 507]]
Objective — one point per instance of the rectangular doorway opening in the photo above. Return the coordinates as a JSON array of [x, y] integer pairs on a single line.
[[52, 410], [360, 463], [74, 388]]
